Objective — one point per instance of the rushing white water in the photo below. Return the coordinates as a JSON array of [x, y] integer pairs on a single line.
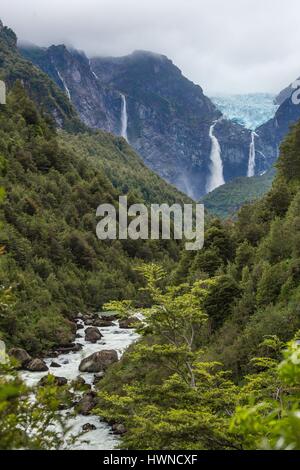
[[251, 162], [124, 118], [64, 84], [216, 178], [113, 338], [95, 75]]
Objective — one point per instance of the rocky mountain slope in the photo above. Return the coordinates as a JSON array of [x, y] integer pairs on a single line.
[[37, 84], [168, 118], [271, 134]]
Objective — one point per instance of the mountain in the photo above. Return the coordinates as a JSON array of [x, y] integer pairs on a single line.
[[167, 118], [54, 181], [285, 93], [271, 134], [38, 85]]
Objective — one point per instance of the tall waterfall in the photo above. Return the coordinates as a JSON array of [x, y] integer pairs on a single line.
[[64, 84], [216, 165], [124, 118], [251, 162]]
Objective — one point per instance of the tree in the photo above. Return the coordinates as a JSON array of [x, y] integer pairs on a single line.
[[175, 315], [271, 419]]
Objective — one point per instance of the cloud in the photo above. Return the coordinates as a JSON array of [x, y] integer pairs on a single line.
[[233, 46]]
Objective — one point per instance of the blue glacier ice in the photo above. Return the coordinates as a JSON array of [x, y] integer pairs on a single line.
[[250, 110]]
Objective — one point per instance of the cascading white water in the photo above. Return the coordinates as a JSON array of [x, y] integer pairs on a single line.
[[64, 84], [95, 75], [114, 338], [216, 166], [251, 162], [124, 118]]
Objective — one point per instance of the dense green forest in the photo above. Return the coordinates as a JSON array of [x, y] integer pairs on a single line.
[[214, 370], [217, 366], [54, 262], [227, 199]]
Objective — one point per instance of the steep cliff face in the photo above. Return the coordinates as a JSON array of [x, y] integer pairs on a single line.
[[272, 133], [168, 118], [70, 69]]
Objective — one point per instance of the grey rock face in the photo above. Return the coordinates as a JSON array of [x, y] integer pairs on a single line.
[[20, 355], [168, 116], [92, 334], [98, 361]]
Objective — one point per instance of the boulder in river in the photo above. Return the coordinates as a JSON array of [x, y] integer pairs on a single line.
[[55, 364], [92, 334], [87, 403], [79, 384], [99, 361], [109, 317], [88, 427], [20, 355], [118, 429], [103, 323], [128, 323], [52, 379], [37, 365], [69, 348], [97, 378]]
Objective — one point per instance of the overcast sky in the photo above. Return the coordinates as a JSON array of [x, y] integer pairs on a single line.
[[232, 46]]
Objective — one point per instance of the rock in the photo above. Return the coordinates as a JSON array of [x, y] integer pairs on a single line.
[[92, 334], [80, 326], [89, 322], [79, 384], [54, 364], [78, 336], [37, 365], [88, 427], [58, 381], [97, 379], [99, 361], [109, 317], [128, 323], [119, 429], [87, 403], [68, 348], [51, 354], [20, 355], [103, 323]]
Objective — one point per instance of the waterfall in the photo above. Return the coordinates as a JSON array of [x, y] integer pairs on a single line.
[[96, 76], [216, 165], [64, 84], [124, 118], [251, 163]]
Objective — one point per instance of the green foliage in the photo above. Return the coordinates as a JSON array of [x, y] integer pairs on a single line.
[[226, 200], [30, 418], [54, 261], [41, 89], [169, 396], [271, 419]]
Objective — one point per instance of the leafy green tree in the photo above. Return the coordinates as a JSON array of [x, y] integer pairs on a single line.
[[271, 419]]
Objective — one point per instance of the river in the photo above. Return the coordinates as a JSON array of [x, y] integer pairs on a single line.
[[113, 338]]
